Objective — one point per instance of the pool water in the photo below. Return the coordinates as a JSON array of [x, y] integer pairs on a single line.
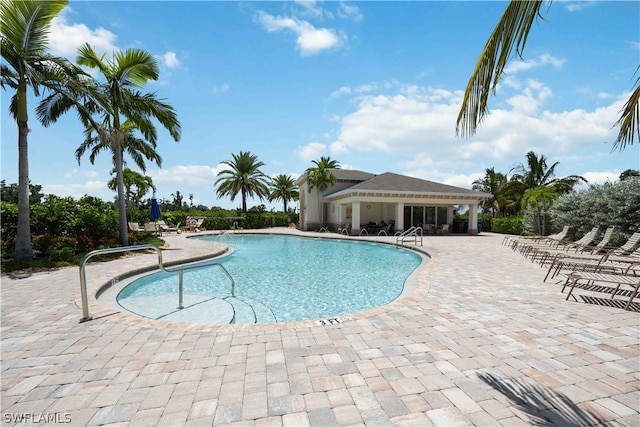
[[277, 279]]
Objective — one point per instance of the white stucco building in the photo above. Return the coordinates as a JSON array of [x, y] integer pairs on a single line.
[[359, 199]]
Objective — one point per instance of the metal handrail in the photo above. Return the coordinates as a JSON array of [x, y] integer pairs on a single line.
[[180, 269], [414, 232]]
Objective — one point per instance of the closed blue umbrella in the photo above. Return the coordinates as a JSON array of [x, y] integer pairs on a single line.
[[155, 213]]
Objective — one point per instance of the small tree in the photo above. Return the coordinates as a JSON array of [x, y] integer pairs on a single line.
[[320, 177], [243, 176], [283, 188]]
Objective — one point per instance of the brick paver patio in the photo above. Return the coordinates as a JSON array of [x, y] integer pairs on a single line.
[[482, 341]]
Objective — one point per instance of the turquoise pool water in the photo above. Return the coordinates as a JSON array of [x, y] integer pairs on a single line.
[[277, 279]]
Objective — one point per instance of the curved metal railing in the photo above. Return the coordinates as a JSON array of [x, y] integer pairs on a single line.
[[414, 233], [179, 269]]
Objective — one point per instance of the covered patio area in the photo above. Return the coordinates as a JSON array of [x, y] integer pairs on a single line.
[[365, 201]]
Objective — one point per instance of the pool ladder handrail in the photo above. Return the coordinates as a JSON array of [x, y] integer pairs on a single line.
[[180, 269], [413, 232]]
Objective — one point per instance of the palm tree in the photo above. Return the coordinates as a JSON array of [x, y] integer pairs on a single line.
[[24, 37], [119, 97], [133, 179], [536, 173], [493, 183], [244, 176], [320, 177], [540, 199], [284, 188], [511, 32]]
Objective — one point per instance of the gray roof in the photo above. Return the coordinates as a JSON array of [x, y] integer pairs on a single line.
[[351, 175], [392, 182]]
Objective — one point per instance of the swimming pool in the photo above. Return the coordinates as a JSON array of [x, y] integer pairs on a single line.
[[277, 278]]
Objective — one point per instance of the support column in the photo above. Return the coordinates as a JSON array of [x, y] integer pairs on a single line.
[[400, 216], [355, 217], [473, 220]]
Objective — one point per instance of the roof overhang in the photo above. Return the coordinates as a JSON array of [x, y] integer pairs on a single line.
[[399, 194]]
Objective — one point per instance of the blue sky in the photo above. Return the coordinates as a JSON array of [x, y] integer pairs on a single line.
[[374, 85]]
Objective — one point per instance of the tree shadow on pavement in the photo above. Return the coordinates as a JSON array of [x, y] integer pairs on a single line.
[[544, 406]]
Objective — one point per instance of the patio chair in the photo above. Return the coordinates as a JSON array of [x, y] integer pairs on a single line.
[[153, 227], [345, 230], [162, 225], [627, 248], [545, 253], [596, 263], [444, 229], [552, 239], [602, 244], [134, 226], [626, 278]]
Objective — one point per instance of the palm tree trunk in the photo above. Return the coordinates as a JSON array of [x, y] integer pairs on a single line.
[[23, 248], [122, 203]]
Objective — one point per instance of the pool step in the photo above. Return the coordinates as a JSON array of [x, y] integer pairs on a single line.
[[250, 311]]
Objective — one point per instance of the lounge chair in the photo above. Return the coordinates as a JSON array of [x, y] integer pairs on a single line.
[[134, 226], [193, 224], [626, 278], [602, 244], [551, 239], [345, 230], [153, 227], [165, 228], [627, 248], [545, 253]]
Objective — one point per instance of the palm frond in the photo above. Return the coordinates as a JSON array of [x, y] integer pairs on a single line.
[[629, 121], [511, 32]]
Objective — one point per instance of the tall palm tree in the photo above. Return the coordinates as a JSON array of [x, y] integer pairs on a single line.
[[284, 188], [24, 32], [137, 148], [243, 176], [320, 177], [493, 183], [121, 108], [511, 32]]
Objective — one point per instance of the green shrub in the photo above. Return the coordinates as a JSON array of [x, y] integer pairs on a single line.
[[601, 205], [508, 225]]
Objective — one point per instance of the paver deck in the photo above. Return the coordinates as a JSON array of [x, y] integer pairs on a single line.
[[482, 341]]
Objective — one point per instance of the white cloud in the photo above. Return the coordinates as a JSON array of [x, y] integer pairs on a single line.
[[65, 38], [311, 151], [220, 89], [191, 175], [363, 88], [578, 6], [349, 12], [420, 122], [82, 173], [169, 59], [94, 188], [516, 66], [310, 40], [599, 177], [309, 8]]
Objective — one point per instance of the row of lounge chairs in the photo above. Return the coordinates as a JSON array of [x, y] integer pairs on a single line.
[[157, 227], [583, 264]]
